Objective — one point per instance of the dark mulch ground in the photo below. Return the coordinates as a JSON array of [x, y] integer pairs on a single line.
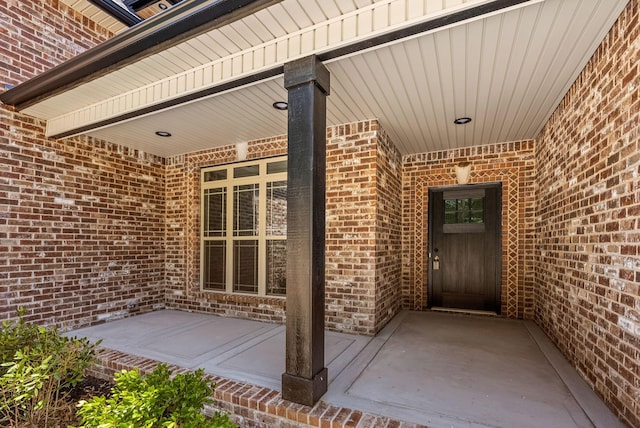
[[90, 387], [85, 390]]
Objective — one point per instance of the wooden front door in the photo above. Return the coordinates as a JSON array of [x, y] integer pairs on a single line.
[[464, 247]]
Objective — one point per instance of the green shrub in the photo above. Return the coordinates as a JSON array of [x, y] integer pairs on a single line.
[[154, 401], [22, 387], [38, 366]]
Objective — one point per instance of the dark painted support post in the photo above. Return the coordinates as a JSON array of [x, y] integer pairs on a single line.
[[305, 379]]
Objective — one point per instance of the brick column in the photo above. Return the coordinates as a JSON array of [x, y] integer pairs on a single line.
[[305, 379]]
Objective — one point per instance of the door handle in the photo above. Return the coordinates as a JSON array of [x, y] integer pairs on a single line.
[[436, 263]]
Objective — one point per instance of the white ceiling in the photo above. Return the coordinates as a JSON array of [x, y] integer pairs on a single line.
[[97, 15], [507, 71]]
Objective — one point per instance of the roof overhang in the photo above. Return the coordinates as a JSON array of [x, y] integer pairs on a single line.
[[198, 57], [182, 22]]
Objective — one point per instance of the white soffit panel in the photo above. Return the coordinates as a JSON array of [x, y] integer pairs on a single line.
[[508, 72], [241, 115], [231, 57], [96, 14], [263, 26]]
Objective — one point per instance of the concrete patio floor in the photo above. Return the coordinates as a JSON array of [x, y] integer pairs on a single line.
[[430, 368]]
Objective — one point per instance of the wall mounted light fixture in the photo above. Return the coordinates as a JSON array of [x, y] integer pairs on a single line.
[[241, 151], [463, 170]]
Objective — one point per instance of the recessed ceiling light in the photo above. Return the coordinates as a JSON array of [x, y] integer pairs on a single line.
[[462, 120], [280, 105], [163, 134], [162, 6]]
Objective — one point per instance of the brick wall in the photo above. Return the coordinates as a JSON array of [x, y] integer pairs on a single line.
[[588, 266], [81, 221], [81, 226], [363, 263], [388, 262], [351, 230], [513, 165], [363, 221]]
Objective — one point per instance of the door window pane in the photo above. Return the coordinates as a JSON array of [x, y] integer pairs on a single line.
[[277, 208], [245, 266], [214, 260], [245, 210], [467, 210], [277, 267]]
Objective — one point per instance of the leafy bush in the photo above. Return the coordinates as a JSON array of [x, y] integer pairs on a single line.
[[154, 401], [37, 368]]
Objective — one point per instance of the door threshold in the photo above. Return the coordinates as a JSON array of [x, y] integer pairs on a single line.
[[465, 311]]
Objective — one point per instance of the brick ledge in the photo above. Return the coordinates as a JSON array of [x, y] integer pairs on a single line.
[[251, 405]]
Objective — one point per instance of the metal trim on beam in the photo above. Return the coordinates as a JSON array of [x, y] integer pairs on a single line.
[[141, 4], [123, 15], [185, 20]]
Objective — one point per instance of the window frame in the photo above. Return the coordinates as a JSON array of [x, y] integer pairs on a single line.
[[262, 179]]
